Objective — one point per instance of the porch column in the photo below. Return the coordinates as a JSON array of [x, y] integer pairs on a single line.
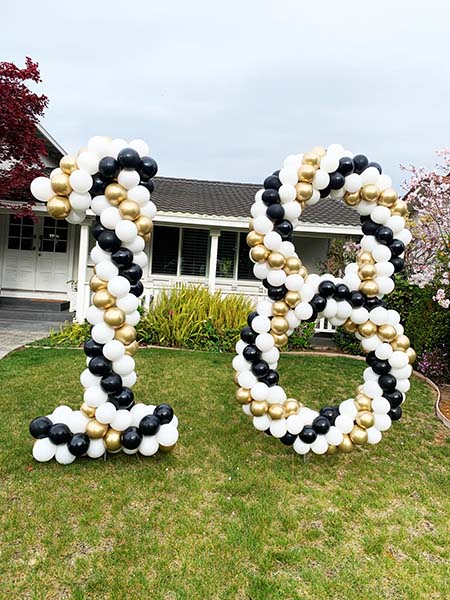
[[81, 277], [214, 234]]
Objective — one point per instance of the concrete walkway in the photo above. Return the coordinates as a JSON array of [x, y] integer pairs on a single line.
[[14, 334]]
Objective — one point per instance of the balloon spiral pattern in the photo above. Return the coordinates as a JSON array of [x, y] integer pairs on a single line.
[[354, 302], [113, 178]]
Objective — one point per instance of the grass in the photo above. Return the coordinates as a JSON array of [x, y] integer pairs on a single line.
[[231, 513]]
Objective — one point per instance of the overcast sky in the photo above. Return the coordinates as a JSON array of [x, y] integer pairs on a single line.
[[225, 90]]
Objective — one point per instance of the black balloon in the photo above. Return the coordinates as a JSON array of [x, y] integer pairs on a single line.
[[92, 348], [288, 439], [395, 413], [251, 353], [272, 378], [164, 413], [384, 235], [285, 229], [270, 197], [329, 412], [123, 257], [149, 185], [341, 292], [248, 335], [98, 186], [325, 192], [79, 444], [361, 162], [108, 167], [397, 247], [111, 384], [357, 299], [321, 425], [108, 241], [394, 398], [276, 292], [148, 166], [40, 427], [137, 289], [131, 438], [99, 365], [398, 263], [307, 435], [59, 433], [97, 229], [149, 425], [251, 316], [272, 183], [381, 367], [346, 165], [337, 180], [260, 369], [369, 227], [326, 288], [318, 302], [376, 165], [387, 382], [133, 273], [275, 212], [129, 159]]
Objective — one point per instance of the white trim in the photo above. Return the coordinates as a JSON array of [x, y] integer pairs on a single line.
[[214, 237], [50, 138], [82, 264]]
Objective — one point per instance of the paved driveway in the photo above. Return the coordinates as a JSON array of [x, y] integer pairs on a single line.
[[14, 334]]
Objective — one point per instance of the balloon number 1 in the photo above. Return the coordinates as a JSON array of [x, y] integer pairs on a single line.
[[113, 178], [354, 302]]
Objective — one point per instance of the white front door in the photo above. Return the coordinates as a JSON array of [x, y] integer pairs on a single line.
[[36, 257]]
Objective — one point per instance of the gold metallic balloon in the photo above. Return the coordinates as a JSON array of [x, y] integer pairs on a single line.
[[147, 237], [387, 333], [304, 191], [95, 283], [129, 209], [125, 334], [96, 430], [113, 440], [365, 257], [292, 298], [276, 411], [306, 173], [235, 379], [367, 271], [254, 239], [280, 339], [280, 308], [303, 272], [103, 299], [319, 150], [400, 208], [352, 198], [58, 207], [370, 192], [251, 225], [144, 225], [332, 450], [388, 197], [291, 407], [276, 260], [114, 316], [115, 193], [259, 253], [131, 349], [88, 411], [363, 402], [243, 396], [60, 184], [258, 408], [365, 419], [68, 164], [367, 329], [369, 287], [401, 342], [411, 354], [279, 325], [358, 436], [346, 445], [167, 449], [311, 158], [292, 265], [350, 327]]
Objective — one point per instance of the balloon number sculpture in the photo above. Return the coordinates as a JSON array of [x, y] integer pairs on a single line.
[[114, 180], [354, 301]]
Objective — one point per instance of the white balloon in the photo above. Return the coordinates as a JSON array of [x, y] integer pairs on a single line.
[[139, 194], [140, 146], [300, 447], [110, 217], [370, 175], [129, 451], [292, 211], [329, 163], [88, 379], [372, 389], [384, 351], [98, 255], [276, 277], [136, 245], [321, 179], [303, 311], [149, 445], [288, 175], [258, 209], [138, 412], [261, 324], [167, 435], [96, 448], [122, 420], [246, 379], [140, 258], [88, 161], [272, 240], [116, 146], [307, 292], [260, 391], [129, 380], [353, 183], [261, 270], [264, 307], [105, 413], [380, 405], [76, 217], [102, 333], [373, 435], [380, 214], [381, 253], [61, 414], [264, 342], [41, 189], [294, 424], [77, 422], [126, 231], [148, 210], [320, 445], [294, 282], [94, 315], [348, 408], [99, 204], [287, 249], [261, 423], [113, 350], [95, 396], [99, 144], [124, 366], [333, 436], [43, 450], [80, 181], [287, 193], [128, 303], [359, 315], [276, 395], [119, 286], [278, 428], [63, 456], [343, 423], [106, 270], [403, 385], [262, 225], [133, 318], [382, 422], [128, 178]]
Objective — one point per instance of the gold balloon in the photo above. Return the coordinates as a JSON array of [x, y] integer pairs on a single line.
[[358, 436], [365, 419], [113, 440], [388, 197], [387, 333], [235, 378], [251, 225], [68, 164], [370, 192], [346, 445], [144, 225], [367, 329], [167, 449], [369, 287], [352, 198], [258, 408], [60, 184], [95, 283], [88, 411], [280, 339], [304, 191], [292, 265], [291, 407], [259, 253], [319, 150], [129, 209], [332, 450], [365, 257], [411, 354], [292, 298], [115, 193], [103, 299], [58, 207], [401, 342], [280, 308], [114, 317], [363, 402], [253, 239], [400, 208], [367, 271], [147, 237], [125, 334], [132, 348], [306, 173], [350, 327], [243, 396], [279, 325], [276, 411], [276, 260], [96, 430], [303, 272], [311, 158]]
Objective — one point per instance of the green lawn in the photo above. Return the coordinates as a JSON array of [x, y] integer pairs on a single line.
[[231, 513]]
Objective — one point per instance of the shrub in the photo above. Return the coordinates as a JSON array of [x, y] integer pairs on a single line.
[[347, 342], [301, 337], [68, 336], [435, 364]]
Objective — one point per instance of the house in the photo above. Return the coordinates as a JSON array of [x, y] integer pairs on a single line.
[[199, 238]]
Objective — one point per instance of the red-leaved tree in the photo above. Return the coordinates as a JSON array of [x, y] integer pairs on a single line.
[[21, 149]]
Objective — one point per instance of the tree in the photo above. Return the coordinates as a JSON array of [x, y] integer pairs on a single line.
[[21, 149], [428, 197]]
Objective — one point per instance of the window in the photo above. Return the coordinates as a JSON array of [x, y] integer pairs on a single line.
[[245, 265], [226, 254], [165, 250], [194, 252], [20, 234], [54, 236]]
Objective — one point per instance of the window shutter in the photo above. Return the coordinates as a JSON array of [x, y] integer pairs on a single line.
[[226, 254], [194, 252], [165, 250]]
